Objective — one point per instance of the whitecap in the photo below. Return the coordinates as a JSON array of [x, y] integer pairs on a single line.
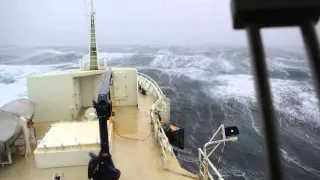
[[295, 161], [19, 73]]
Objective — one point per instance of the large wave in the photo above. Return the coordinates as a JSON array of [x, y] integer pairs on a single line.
[[207, 87]]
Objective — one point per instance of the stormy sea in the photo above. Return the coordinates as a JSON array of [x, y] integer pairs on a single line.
[[207, 86]]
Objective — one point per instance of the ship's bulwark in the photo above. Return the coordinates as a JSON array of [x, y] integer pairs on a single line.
[[206, 86]]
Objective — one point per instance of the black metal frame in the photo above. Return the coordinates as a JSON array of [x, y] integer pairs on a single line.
[[101, 166], [253, 15], [312, 47], [266, 106]]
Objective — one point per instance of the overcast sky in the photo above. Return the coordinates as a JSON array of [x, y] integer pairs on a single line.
[[141, 22]]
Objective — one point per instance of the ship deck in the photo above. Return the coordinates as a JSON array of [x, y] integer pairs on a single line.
[[136, 159]]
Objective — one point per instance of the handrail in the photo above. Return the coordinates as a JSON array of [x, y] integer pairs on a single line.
[[84, 64], [207, 163], [162, 139], [160, 104], [204, 161], [153, 83], [165, 146]]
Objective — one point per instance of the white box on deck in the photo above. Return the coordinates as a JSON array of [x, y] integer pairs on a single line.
[[69, 144], [65, 158]]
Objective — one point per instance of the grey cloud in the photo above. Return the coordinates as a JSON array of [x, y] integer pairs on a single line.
[[146, 22]]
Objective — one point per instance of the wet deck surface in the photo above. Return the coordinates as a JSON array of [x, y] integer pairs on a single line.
[[136, 159], [140, 159], [24, 169]]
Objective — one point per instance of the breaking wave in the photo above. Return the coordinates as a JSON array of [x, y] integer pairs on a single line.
[[207, 87]]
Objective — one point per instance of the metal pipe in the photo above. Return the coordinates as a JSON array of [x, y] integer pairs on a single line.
[[9, 157], [215, 169], [214, 149], [205, 169], [311, 42], [92, 7], [267, 113], [218, 141], [223, 133], [208, 163], [214, 135], [199, 161]]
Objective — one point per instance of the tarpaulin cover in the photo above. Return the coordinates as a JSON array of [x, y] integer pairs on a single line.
[[10, 122], [20, 107]]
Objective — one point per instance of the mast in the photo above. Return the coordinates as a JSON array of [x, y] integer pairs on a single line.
[[94, 64]]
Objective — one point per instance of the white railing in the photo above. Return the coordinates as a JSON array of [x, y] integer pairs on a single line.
[[84, 64], [150, 81], [165, 146], [161, 105], [205, 166], [204, 170]]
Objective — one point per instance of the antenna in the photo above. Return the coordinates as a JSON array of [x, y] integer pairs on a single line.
[[94, 63]]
